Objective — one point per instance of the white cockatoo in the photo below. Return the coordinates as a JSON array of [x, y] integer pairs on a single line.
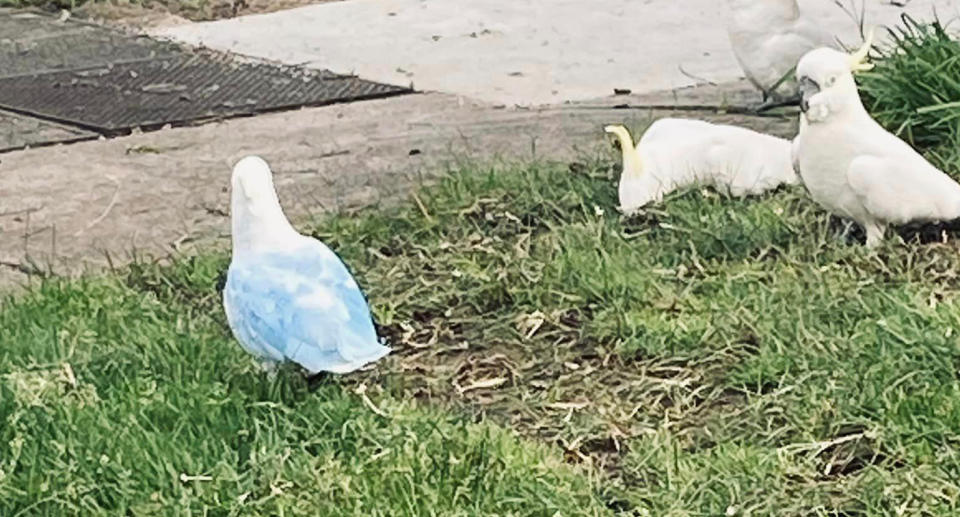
[[851, 165], [288, 296], [674, 153], [768, 38]]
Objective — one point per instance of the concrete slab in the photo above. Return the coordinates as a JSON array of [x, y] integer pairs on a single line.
[[525, 52], [69, 207], [17, 132]]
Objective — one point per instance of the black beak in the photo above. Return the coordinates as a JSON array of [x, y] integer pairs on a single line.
[[808, 88]]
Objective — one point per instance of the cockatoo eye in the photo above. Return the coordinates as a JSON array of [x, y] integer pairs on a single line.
[[831, 81]]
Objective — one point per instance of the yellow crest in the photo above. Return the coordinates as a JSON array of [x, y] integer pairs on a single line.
[[858, 59]]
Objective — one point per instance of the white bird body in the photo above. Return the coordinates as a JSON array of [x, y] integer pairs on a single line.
[[851, 165], [768, 38], [676, 153], [288, 296]]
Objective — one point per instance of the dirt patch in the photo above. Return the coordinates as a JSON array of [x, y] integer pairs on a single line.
[[581, 397], [548, 382]]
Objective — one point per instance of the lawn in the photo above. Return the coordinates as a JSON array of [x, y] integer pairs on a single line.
[[125, 395], [710, 356]]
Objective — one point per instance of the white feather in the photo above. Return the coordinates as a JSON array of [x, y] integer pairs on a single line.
[[855, 168]]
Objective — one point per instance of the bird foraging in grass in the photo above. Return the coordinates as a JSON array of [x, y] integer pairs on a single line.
[[768, 38], [288, 297], [854, 167], [675, 153]]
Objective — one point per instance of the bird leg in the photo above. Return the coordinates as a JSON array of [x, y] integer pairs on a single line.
[[875, 232], [845, 233], [773, 101]]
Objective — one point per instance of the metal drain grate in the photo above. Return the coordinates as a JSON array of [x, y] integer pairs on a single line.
[[147, 94], [109, 82]]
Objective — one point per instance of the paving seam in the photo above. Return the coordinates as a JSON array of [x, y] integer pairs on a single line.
[[48, 118], [50, 143]]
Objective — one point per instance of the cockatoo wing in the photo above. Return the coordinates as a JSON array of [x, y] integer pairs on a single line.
[[897, 194], [303, 306], [779, 53]]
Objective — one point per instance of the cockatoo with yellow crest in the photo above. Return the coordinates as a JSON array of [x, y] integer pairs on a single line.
[[851, 165], [675, 153], [768, 38]]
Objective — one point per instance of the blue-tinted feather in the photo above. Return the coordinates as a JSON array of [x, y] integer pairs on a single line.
[[303, 306]]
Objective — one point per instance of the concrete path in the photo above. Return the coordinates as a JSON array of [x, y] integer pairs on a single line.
[[525, 52]]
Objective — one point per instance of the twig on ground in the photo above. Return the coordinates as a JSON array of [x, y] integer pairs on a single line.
[[106, 211]]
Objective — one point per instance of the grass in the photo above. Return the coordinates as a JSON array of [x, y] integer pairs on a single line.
[[126, 396], [914, 88], [712, 355]]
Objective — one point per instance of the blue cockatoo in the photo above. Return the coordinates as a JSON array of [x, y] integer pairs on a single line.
[[288, 296]]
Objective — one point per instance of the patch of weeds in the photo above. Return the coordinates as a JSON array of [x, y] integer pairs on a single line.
[[42, 388], [913, 90]]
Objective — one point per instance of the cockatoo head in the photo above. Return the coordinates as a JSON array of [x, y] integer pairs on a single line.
[[826, 80], [252, 185], [637, 187], [254, 206]]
